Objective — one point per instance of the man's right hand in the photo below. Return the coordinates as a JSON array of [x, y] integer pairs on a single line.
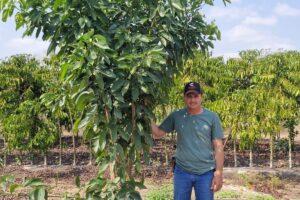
[[156, 131]]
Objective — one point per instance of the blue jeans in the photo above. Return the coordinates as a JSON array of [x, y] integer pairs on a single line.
[[184, 182]]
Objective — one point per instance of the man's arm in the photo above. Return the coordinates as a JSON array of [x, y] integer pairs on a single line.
[[156, 131], [219, 157]]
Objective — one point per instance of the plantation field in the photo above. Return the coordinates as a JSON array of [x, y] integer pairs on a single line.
[[259, 181]]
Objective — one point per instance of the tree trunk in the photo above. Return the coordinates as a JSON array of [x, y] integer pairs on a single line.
[[19, 158], [290, 153], [91, 151], [32, 158], [74, 148], [271, 150], [73, 136], [228, 137], [45, 159], [165, 139], [60, 143], [166, 152], [111, 165], [133, 135], [234, 152], [5, 153], [251, 157]]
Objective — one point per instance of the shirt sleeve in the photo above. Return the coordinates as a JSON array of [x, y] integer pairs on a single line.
[[168, 125], [217, 130]]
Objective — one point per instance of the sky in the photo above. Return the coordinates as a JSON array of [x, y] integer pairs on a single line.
[[272, 25]]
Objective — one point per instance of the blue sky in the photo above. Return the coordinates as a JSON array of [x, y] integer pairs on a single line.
[[245, 24], [256, 24]]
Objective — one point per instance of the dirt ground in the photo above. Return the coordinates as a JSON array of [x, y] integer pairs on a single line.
[[61, 179]]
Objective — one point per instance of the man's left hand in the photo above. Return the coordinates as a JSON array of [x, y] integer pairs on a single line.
[[217, 182]]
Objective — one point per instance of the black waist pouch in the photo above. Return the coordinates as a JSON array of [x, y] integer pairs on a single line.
[[173, 163]]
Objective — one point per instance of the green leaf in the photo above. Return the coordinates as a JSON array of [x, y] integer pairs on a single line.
[[64, 69], [107, 100], [76, 124], [177, 4], [125, 87], [119, 97], [117, 84], [145, 89], [87, 36], [114, 134], [19, 19], [117, 114], [13, 188], [82, 99], [154, 77], [108, 73], [88, 117], [58, 3], [81, 22], [33, 182], [3, 4], [38, 194], [138, 144], [101, 42], [102, 168], [93, 55], [120, 151], [77, 181], [163, 41], [135, 93], [144, 38], [135, 195], [100, 142], [51, 47], [125, 136], [100, 82], [167, 36]]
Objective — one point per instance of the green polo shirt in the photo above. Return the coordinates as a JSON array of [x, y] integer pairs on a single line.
[[194, 150]]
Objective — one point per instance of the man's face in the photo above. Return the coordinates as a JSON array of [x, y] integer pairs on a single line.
[[193, 100]]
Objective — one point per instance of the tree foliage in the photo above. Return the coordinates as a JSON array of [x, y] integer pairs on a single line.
[[255, 94], [115, 54], [23, 118]]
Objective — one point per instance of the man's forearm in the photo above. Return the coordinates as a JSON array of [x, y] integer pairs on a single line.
[[219, 157], [156, 131]]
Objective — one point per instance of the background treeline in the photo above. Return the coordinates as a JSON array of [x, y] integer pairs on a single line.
[[255, 95]]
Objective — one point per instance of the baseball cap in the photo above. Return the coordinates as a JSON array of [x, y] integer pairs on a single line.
[[192, 87]]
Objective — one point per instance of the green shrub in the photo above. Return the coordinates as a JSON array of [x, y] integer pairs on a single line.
[[260, 197], [227, 194], [282, 145], [164, 192]]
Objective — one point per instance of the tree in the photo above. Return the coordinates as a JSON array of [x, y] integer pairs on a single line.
[[281, 79], [25, 126], [114, 55]]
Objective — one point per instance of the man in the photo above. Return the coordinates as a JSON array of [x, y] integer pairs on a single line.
[[199, 152]]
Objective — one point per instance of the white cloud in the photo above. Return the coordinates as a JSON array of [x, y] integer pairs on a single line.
[[275, 43], [260, 21], [226, 56], [229, 12], [285, 9], [32, 46], [242, 35]]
